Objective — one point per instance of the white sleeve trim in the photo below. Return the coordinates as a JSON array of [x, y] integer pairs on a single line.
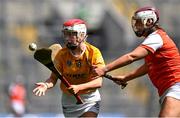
[[153, 41]]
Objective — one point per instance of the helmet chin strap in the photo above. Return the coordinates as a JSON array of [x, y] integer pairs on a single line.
[[83, 39]]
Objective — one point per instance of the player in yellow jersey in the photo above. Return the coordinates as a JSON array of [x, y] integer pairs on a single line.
[[75, 62]]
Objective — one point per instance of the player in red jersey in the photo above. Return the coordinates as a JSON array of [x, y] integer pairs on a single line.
[[17, 97], [162, 61]]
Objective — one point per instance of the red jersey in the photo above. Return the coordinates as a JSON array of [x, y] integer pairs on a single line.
[[164, 61], [17, 93]]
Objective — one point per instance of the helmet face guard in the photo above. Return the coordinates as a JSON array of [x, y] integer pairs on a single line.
[[69, 33], [137, 26], [144, 20], [74, 28]]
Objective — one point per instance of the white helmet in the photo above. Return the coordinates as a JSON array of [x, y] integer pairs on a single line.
[[74, 27], [148, 16]]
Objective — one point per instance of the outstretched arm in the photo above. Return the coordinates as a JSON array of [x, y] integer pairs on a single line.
[[142, 70], [42, 87], [124, 60]]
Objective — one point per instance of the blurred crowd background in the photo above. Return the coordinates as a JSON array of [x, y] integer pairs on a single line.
[[109, 28]]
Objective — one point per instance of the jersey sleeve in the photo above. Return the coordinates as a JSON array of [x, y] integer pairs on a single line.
[[97, 58], [152, 42]]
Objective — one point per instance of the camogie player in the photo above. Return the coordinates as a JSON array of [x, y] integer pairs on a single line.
[[75, 62], [162, 61]]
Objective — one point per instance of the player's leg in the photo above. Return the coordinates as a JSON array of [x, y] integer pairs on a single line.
[[90, 114], [170, 102], [170, 107], [93, 111]]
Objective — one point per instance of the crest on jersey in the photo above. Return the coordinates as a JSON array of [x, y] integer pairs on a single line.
[[68, 63], [78, 63]]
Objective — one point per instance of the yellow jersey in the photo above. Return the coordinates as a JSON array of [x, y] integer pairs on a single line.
[[78, 70]]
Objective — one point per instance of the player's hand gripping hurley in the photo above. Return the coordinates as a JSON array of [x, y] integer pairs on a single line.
[[123, 85], [44, 56]]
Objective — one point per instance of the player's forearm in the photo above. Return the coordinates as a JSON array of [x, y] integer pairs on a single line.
[[120, 62], [142, 70], [97, 83], [51, 82]]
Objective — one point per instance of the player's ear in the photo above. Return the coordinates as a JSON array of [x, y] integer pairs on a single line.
[[149, 22]]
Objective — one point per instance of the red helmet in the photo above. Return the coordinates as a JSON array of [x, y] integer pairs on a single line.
[[147, 17], [75, 25]]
